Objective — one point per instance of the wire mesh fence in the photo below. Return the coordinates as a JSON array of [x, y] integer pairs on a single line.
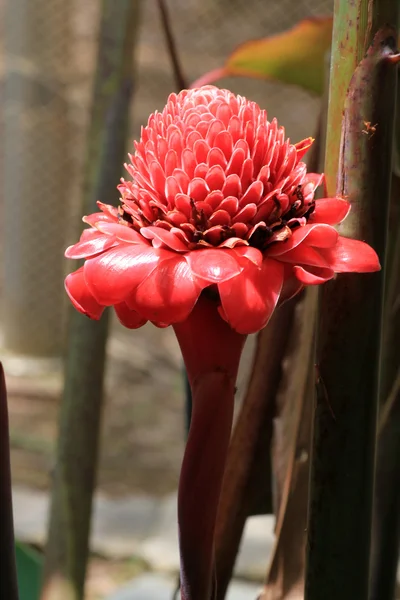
[[47, 63]]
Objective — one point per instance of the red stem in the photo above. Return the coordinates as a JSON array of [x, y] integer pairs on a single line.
[[211, 350], [200, 481]]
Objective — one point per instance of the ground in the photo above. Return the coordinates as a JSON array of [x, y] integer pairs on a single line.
[[143, 422]]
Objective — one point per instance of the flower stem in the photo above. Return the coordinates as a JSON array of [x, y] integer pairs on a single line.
[[211, 350], [201, 478]]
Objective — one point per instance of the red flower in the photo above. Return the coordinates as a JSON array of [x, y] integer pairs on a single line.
[[219, 201]]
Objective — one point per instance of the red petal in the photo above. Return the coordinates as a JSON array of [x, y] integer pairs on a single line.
[[216, 157], [224, 141], [90, 246], [115, 274], [352, 256], [214, 266], [330, 210], [215, 178], [168, 295], [230, 204], [291, 287], [250, 253], [304, 255], [249, 299], [161, 238], [198, 189], [319, 235], [232, 186], [80, 295], [108, 210], [129, 318], [122, 232], [313, 275], [220, 217], [303, 147], [253, 194], [97, 217], [245, 214]]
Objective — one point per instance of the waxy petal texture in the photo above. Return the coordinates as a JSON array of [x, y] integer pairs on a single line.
[[80, 296], [218, 200], [169, 293], [128, 317], [214, 266], [114, 275], [249, 299], [352, 256]]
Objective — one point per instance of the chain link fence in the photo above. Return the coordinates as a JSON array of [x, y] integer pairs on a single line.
[[47, 62]]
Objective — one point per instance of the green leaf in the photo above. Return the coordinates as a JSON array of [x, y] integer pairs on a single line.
[[29, 567], [295, 56]]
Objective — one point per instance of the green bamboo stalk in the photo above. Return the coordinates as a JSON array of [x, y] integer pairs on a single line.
[[75, 474], [341, 482]]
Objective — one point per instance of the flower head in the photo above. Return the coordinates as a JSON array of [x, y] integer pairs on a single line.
[[219, 202]]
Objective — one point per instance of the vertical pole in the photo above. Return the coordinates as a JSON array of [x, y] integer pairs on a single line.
[[77, 453], [35, 175]]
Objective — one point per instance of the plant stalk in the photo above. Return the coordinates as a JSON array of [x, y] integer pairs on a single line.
[[343, 454], [8, 579], [211, 351], [77, 454]]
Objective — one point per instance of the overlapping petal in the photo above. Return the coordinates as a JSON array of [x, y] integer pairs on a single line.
[[80, 295], [313, 275], [319, 235], [169, 293], [214, 266], [249, 299], [128, 317], [330, 210], [114, 275], [352, 256], [91, 244]]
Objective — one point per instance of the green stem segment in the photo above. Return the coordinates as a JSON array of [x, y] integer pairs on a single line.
[[340, 506], [211, 351], [77, 454]]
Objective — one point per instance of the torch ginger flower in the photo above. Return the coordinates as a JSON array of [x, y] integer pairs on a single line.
[[219, 202], [218, 224]]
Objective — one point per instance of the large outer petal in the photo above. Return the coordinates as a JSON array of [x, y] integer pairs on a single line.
[[80, 295], [128, 317], [319, 235], [350, 255], [122, 232], [169, 293], [161, 238], [249, 299], [305, 255], [91, 243], [214, 265], [330, 210], [115, 274], [313, 275]]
